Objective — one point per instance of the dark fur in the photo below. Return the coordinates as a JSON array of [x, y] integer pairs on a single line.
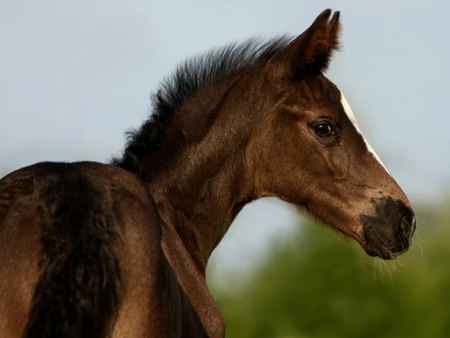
[[188, 79], [80, 276]]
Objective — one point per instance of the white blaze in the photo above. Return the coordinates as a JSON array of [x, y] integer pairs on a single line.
[[348, 110]]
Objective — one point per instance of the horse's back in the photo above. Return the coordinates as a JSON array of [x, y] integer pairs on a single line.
[[79, 251]]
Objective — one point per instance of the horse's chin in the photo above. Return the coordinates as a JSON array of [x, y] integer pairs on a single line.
[[380, 251]]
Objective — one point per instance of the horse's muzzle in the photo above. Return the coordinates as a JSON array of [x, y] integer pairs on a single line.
[[389, 232]]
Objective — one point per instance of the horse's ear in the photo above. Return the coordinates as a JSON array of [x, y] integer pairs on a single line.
[[309, 53]]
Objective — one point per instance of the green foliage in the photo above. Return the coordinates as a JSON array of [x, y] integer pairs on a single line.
[[319, 285]]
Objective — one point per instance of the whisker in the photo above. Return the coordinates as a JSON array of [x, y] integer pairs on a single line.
[[381, 269]]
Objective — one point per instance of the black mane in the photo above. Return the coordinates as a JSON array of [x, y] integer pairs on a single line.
[[184, 83]]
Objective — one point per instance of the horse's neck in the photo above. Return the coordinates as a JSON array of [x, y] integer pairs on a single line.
[[198, 195], [198, 204], [205, 180]]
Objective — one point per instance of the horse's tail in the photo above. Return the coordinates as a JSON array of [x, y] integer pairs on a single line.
[[77, 293]]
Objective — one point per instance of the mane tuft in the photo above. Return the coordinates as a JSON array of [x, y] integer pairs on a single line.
[[187, 80]]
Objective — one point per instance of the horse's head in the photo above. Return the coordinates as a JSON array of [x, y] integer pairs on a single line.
[[319, 158]]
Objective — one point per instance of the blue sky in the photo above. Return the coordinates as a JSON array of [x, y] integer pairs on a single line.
[[75, 75]]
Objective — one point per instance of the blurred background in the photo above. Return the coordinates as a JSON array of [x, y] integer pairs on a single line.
[[74, 76]]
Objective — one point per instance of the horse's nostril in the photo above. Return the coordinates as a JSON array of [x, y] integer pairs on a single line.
[[407, 228], [404, 236], [408, 225], [404, 224]]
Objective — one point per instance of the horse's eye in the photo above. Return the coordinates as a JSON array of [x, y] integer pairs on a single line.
[[324, 129]]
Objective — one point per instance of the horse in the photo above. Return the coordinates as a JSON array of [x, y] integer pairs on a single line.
[[120, 249]]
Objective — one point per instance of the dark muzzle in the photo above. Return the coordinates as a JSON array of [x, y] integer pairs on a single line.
[[388, 233]]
